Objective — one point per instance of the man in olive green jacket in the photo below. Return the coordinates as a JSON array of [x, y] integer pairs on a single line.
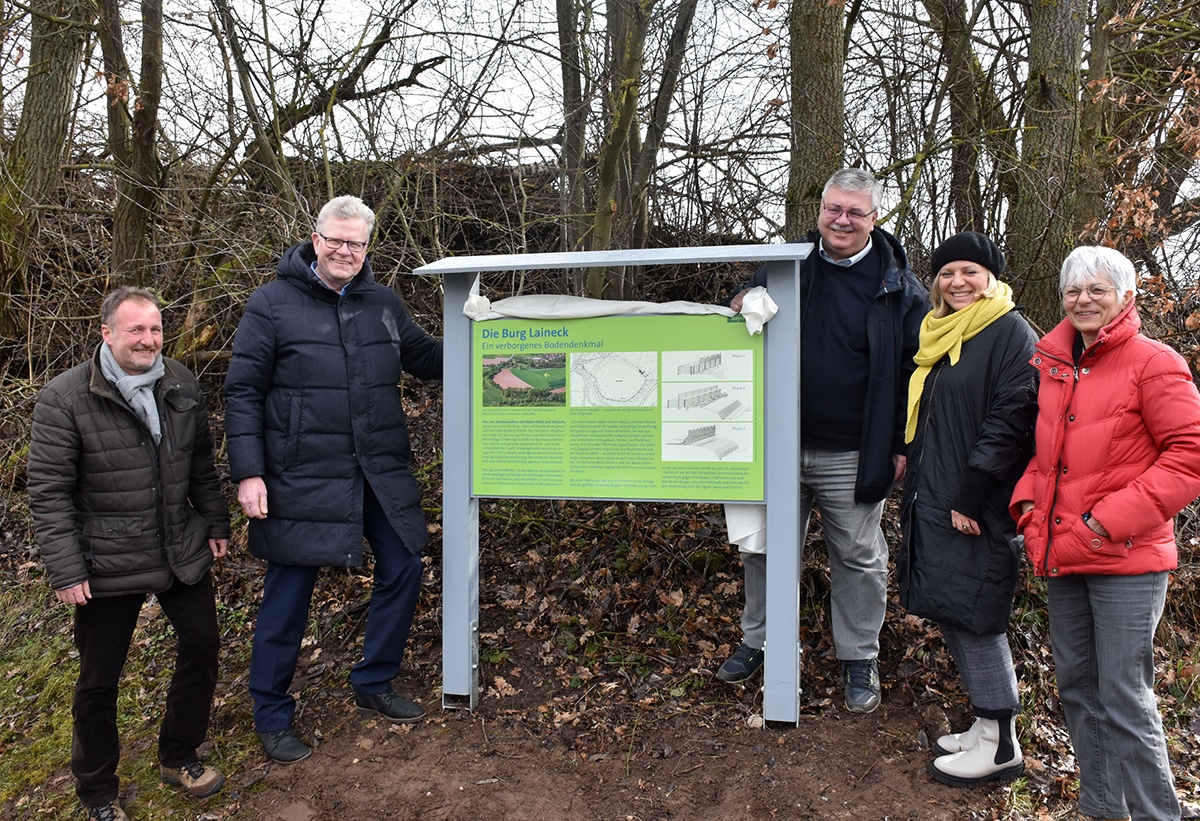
[[126, 503]]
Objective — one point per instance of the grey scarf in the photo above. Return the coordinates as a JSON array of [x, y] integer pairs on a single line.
[[137, 388]]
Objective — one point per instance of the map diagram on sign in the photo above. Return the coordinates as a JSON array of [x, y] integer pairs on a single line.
[[626, 379]]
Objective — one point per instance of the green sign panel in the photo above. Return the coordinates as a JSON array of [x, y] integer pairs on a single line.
[[662, 407]]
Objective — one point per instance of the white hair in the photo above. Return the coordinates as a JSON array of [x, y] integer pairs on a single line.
[[347, 207], [1087, 263]]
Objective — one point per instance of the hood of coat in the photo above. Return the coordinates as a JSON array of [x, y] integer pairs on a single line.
[[296, 266]]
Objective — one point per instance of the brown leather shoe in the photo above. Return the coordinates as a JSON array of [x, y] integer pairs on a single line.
[[195, 778], [108, 811]]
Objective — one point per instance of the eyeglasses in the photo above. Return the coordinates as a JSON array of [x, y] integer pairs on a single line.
[[1095, 292], [836, 212], [352, 245]]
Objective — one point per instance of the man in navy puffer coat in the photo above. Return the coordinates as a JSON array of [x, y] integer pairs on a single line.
[[319, 447]]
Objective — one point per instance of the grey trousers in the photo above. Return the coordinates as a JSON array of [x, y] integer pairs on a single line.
[[857, 557], [986, 666]]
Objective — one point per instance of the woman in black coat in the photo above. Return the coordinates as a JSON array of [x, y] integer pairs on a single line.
[[971, 408]]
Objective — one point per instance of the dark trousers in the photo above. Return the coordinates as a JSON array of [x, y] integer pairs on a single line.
[[103, 629], [283, 617]]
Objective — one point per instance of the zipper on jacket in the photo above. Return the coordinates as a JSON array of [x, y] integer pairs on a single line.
[[1057, 474], [919, 458]]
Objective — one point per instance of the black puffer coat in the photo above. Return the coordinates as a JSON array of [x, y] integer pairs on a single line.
[[313, 407], [109, 506], [974, 438]]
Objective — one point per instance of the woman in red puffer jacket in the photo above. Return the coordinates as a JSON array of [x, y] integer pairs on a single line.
[[1117, 456]]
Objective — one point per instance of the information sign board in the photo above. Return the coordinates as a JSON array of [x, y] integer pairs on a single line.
[[646, 407]]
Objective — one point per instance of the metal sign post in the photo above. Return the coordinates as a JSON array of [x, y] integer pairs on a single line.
[[460, 508]]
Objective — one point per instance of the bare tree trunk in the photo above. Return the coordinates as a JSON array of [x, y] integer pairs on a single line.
[[264, 162], [815, 31], [647, 157], [979, 122], [966, 203], [132, 138], [628, 22], [628, 160], [1094, 183], [119, 78], [1044, 221], [32, 167], [572, 172]]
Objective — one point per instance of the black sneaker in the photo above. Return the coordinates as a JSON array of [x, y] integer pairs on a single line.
[[395, 708], [862, 685], [283, 747], [745, 662]]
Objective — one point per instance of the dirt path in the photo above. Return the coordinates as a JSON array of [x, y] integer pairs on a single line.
[[462, 766], [502, 762]]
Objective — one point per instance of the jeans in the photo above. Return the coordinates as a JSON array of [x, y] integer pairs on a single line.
[[103, 629], [283, 618], [857, 557], [1102, 634]]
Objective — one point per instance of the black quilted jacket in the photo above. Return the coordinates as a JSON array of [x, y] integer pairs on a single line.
[[111, 507]]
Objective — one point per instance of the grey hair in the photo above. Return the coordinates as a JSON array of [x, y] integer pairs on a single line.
[[347, 207], [123, 294], [1088, 262], [855, 180]]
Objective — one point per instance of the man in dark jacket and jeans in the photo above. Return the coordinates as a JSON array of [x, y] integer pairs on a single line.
[[860, 317], [319, 447], [126, 503]]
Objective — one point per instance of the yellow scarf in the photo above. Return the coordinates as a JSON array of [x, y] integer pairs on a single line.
[[944, 336]]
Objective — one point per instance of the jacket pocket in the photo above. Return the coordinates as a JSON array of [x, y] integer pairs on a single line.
[[291, 442], [112, 527], [281, 440], [180, 427], [107, 541], [188, 550], [1024, 520], [180, 402], [1096, 543]]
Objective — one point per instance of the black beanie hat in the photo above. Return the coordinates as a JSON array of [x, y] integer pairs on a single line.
[[969, 245]]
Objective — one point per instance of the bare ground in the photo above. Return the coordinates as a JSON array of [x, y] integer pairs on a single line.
[[602, 625], [714, 762]]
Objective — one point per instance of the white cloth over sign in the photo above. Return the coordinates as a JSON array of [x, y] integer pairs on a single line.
[[757, 307], [747, 526]]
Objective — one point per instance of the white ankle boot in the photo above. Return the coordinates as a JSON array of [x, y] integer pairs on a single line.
[[957, 742], [996, 756]]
